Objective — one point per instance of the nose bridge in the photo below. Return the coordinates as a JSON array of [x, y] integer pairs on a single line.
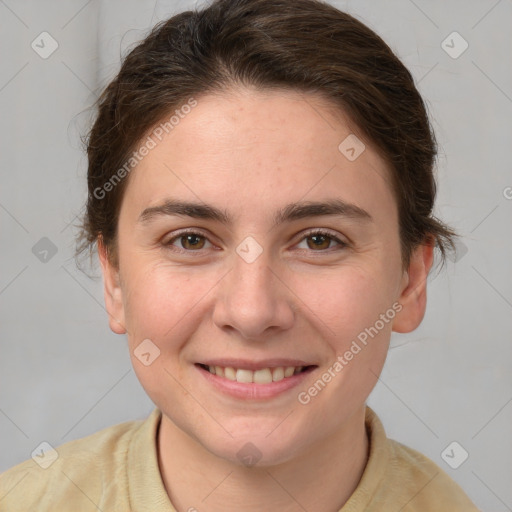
[[251, 266], [253, 286], [252, 298], [253, 276]]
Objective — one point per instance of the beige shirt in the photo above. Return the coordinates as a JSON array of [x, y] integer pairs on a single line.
[[116, 470]]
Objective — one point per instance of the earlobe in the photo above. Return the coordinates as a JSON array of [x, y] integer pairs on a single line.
[[413, 296], [112, 291]]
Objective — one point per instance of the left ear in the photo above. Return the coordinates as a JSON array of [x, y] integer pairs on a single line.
[[112, 290], [413, 296]]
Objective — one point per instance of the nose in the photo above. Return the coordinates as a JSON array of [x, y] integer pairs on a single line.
[[254, 300]]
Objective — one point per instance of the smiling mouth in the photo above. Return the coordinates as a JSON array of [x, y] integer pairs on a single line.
[[261, 376]]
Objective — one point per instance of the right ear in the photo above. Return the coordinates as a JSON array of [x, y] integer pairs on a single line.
[[111, 290]]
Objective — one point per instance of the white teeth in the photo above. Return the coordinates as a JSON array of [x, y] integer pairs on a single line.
[[289, 371], [244, 375], [230, 373], [277, 374], [262, 376]]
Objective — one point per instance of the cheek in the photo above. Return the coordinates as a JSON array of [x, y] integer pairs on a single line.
[[160, 304], [348, 300], [356, 304], [161, 300], [357, 341]]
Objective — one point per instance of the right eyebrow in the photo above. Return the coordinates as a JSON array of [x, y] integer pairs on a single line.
[[172, 207]]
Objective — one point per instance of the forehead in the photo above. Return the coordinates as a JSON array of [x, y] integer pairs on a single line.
[[251, 149], [250, 121]]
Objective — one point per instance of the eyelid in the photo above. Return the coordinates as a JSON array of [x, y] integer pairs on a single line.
[[323, 231], [188, 231]]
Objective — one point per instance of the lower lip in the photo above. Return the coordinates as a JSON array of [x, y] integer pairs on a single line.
[[251, 390]]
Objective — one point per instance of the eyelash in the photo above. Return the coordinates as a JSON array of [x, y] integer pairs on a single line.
[[321, 232]]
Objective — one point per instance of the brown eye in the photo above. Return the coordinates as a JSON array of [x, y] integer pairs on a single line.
[[188, 241], [320, 241], [192, 241]]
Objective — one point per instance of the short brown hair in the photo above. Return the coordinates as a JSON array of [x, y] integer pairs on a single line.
[[302, 45]]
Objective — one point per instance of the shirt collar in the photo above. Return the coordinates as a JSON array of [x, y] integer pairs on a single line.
[[147, 491]]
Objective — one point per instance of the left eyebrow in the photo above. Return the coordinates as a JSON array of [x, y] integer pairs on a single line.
[[291, 212]]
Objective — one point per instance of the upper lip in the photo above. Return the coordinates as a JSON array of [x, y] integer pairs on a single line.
[[245, 364]]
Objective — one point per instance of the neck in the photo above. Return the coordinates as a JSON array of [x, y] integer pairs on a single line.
[[197, 480]]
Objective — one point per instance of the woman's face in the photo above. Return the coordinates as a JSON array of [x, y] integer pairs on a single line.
[[244, 280]]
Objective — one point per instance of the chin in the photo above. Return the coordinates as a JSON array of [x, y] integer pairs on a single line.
[[251, 452], [252, 446]]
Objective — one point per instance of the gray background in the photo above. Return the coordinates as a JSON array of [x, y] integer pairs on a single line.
[[63, 373]]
